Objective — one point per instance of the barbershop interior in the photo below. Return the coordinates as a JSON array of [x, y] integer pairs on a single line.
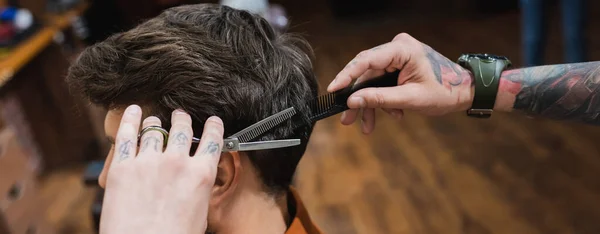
[[414, 173]]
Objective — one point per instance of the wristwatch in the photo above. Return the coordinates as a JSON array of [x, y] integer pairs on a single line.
[[486, 69]]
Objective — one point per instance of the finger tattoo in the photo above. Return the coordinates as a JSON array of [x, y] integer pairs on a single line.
[[150, 141], [124, 150], [180, 139], [211, 148]]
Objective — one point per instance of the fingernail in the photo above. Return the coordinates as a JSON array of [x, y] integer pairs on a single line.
[[134, 109], [179, 112], [358, 101], [343, 116]]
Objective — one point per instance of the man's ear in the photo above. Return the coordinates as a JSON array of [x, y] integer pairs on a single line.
[[228, 176], [103, 174]]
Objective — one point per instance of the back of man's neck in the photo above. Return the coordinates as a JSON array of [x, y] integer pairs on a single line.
[[260, 213]]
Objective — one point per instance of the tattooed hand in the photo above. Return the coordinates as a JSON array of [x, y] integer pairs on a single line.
[[156, 191], [428, 83]]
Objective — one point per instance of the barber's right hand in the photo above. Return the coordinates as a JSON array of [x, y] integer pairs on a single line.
[[428, 83]]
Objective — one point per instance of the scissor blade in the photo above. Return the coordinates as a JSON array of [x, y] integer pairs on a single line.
[[263, 145], [260, 127]]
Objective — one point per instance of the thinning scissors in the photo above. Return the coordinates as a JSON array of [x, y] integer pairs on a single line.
[[241, 141]]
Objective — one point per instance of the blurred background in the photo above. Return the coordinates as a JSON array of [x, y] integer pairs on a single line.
[[451, 174]]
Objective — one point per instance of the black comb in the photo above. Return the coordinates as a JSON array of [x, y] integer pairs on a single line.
[[260, 127], [334, 103]]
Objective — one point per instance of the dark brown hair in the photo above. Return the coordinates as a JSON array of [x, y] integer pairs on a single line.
[[208, 60]]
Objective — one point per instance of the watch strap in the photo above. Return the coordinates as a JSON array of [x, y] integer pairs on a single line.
[[486, 76]]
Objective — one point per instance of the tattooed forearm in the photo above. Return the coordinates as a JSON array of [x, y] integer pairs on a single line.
[[565, 91], [447, 73], [124, 150], [212, 148]]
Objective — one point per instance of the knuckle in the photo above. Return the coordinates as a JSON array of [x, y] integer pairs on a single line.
[[125, 139], [130, 118], [374, 98], [212, 136], [400, 36], [206, 181], [181, 127], [207, 175], [379, 99], [181, 117], [173, 166], [405, 36], [126, 130], [214, 124], [202, 169], [188, 131], [212, 133]]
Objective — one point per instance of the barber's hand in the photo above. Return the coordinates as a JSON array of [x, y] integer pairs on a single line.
[[152, 191], [428, 83]]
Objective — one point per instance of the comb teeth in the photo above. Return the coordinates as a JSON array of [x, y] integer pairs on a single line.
[[323, 103], [325, 106], [333, 103], [264, 125]]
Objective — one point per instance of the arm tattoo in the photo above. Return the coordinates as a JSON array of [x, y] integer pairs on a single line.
[[447, 73], [212, 148], [180, 139], [124, 150], [565, 91], [150, 140]]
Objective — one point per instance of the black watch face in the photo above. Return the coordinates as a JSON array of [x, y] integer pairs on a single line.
[[464, 59]]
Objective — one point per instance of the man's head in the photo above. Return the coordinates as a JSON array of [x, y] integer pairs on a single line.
[[207, 60]]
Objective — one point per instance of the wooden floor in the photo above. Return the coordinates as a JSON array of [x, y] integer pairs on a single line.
[[451, 174]]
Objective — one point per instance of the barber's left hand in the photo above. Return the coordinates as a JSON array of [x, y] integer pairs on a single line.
[[152, 191], [428, 83]]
